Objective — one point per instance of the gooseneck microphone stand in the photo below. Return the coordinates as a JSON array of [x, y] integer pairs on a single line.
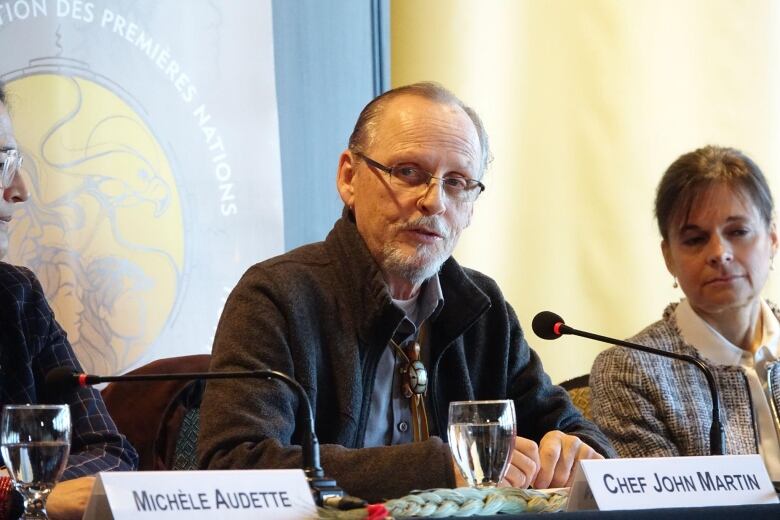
[[324, 490], [548, 325]]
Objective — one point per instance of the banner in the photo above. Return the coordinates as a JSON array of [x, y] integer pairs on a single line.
[[150, 141]]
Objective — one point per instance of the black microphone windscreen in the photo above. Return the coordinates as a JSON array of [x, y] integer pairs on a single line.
[[61, 380], [544, 324]]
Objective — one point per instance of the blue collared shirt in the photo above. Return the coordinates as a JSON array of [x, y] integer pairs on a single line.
[[390, 419]]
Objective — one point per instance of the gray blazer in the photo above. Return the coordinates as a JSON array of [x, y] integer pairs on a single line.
[[652, 406]]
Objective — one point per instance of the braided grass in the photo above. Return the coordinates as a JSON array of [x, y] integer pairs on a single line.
[[437, 503]]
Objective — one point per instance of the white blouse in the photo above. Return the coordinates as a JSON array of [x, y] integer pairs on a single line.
[[719, 351]]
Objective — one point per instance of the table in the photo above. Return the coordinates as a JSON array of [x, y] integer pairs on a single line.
[[752, 512]]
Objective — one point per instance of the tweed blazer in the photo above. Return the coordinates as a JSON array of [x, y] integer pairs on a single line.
[[652, 406], [31, 344]]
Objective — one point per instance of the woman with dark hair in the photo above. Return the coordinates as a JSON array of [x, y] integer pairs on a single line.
[[715, 214]]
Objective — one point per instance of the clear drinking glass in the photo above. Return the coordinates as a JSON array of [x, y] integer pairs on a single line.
[[35, 443], [482, 437]]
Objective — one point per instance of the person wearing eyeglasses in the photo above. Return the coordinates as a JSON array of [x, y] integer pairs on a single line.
[[32, 343], [383, 328]]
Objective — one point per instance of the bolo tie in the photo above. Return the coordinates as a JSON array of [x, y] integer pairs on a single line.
[[414, 382]]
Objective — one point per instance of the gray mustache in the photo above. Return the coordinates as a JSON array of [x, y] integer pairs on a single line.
[[429, 223]]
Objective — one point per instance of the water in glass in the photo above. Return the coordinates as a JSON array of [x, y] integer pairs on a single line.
[[35, 443], [481, 437]]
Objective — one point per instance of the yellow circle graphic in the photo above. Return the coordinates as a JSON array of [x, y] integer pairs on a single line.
[[103, 226]]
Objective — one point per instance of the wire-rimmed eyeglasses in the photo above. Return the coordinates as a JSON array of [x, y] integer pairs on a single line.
[[10, 164], [456, 187]]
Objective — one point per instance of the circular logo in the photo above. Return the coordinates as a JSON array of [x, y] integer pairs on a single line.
[[103, 227]]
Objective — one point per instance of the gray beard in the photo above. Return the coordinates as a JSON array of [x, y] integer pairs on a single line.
[[412, 268]]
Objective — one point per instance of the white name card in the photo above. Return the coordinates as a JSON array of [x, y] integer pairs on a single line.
[[649, 483], [238, 494]]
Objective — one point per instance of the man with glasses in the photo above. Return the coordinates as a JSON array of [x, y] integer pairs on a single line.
[[383, 328], [32, 344]]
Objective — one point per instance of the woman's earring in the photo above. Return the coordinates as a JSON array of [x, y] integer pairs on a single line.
[[675, 284], [771, 263]]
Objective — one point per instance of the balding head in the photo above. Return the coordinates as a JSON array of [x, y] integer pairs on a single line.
[[366, 125]]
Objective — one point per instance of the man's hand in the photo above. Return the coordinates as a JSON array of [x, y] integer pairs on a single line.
[[68, 499], [549, 464], [524, 464], [558, 454]]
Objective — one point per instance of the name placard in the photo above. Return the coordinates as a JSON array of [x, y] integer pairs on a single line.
[[236, 494], [649, 483]]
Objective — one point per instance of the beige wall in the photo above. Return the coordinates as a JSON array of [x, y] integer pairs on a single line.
[[586, 103]]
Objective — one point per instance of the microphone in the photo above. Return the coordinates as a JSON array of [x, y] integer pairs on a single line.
[[325, 490], [548, 325]]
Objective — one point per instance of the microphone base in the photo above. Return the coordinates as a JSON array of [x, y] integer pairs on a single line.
[[324, 490]]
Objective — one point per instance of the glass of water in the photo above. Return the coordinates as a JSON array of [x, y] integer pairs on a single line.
[[35, 443], [482, 437]]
